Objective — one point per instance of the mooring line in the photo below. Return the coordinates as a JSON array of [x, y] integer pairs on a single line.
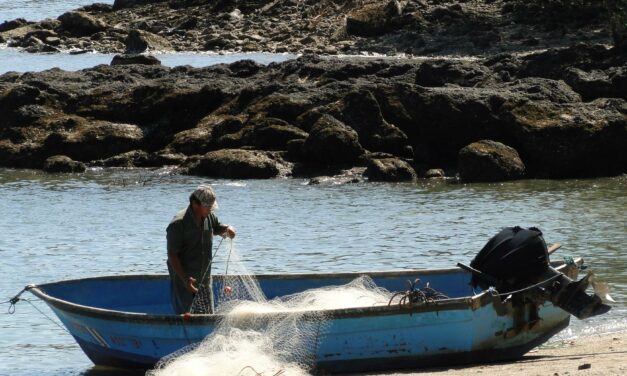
[[46, 316], [14, 300]]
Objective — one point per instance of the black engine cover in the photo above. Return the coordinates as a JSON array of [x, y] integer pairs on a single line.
[[513, 255]]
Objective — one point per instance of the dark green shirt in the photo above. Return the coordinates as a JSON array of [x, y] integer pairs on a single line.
[[193, 243]]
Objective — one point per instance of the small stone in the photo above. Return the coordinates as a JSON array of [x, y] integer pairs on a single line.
[[135, 59], [62, 163], [435, 173], [53, 41]]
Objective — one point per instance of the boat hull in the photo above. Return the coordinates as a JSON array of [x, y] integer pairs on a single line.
[[463, 329]]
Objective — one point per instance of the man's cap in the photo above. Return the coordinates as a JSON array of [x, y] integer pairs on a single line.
[[206, 196]]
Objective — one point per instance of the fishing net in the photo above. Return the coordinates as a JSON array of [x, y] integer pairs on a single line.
[[236, 284], [257, 336]]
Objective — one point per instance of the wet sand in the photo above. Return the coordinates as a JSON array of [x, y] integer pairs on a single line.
[[602, 355]]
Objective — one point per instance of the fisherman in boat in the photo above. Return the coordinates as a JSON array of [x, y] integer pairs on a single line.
[[189, 242]]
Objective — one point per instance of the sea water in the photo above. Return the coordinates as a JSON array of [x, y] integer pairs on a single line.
[[112, 222]]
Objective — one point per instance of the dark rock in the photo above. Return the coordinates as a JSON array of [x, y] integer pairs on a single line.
[[371, 104], [618, 78], [285, 107], [49, 24], [331, 142], [21, 95], [442, 120], [215, 43], [360, 110], [435, 173], [13, 24], [531, 42], [569, 140], [373, 19], [97, 8], [244, 68], [121, 4], [62, 163], [139, 41], [27, 115], [88, 141], [192, 141], [274, 134], [590, 85], [450, 13], [224, 125], [553, 62], [295, 149], [20, 154], [81, 24], [164, 158], [235, 164], [31, 41], [135, 59], [134, 158], [52, 41], [462, 73], [488, 161], [188, 23], [389, 169], [539, 89]]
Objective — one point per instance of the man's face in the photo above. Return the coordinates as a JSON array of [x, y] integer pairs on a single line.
[[201, 210]]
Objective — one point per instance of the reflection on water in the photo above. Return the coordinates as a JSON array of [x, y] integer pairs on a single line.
[[113, 222]]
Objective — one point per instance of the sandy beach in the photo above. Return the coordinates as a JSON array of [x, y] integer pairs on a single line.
[[602, 354]]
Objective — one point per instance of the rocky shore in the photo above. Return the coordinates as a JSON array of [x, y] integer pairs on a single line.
[[505, 111], [418, 27]]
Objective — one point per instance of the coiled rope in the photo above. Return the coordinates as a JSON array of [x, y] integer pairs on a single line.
[[416, 295]]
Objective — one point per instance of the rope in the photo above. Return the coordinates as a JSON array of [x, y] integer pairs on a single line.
[[228, 258], [211, 261], [204, 275], [532, 286], [13, 301], [417, 295], [46, 316]]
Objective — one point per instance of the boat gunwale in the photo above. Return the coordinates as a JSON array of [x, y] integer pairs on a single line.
[[202, 319], [465, 302]]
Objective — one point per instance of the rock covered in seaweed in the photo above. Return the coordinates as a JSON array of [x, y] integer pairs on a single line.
[[318, 116], [488, 160]]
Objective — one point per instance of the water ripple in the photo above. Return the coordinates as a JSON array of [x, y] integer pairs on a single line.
[[108, 222]]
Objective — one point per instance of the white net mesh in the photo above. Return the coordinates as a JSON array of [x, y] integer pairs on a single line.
[[267, 337]]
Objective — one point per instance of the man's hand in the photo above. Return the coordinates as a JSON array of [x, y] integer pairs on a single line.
[[190, 285], [229, 231]]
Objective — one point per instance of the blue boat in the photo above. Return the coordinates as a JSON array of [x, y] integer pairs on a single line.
[[127, 321]]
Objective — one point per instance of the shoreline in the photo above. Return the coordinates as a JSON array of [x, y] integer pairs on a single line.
[[597, 354], [475, 91]]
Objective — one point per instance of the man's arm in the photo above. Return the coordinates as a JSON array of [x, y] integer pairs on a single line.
[[220, 229], [175, 261]]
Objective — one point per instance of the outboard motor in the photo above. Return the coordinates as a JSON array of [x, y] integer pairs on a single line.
[[517, 259]]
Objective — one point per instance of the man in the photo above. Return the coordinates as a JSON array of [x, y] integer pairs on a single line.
[[189, 236]]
